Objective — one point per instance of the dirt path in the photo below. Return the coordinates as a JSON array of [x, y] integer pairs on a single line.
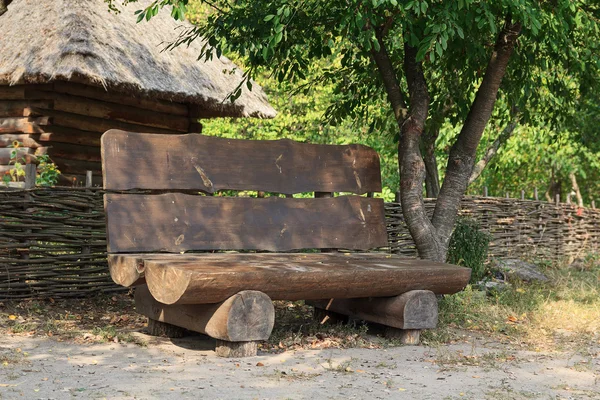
[[41, 368]]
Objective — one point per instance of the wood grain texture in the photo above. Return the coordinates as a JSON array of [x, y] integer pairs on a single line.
[[91, 92], [417, 309], [23, 124], [245, 316], [177, 222], [119, 112], [206, 163], [300, 276], [126, 270], [21, 108], [94, 124], [236, 349]]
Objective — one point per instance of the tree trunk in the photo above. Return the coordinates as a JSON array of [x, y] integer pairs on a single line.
[[412, 166], [411, 124], [576, 189], [432, 180], [462, 154]]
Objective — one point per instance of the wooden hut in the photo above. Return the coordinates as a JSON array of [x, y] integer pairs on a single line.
[[70, 70]]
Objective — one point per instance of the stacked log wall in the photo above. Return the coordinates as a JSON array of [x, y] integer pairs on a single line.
[[65, 120], [53, 240]]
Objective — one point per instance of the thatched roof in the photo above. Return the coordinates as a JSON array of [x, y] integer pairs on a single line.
[[79, 40]]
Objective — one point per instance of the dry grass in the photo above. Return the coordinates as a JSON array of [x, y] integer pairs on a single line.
[[563, 313]]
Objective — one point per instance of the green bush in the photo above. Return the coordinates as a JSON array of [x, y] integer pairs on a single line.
[[469, 247]]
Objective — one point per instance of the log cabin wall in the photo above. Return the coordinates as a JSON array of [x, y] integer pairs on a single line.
[[65, 120]]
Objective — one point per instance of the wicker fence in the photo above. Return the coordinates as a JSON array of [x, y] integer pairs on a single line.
[[52, 241]]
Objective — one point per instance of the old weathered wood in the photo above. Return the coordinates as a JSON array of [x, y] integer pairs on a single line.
[[183, 222], [6, 154], [27, 140], [71, 166], [21, 108], [22, 92], [126, 270], [404, 336], [84, 122], [416, 309], [119, 112], [159, 328], [23, 125], [289, 276], [210, 164], [100, 93], [30, 175], [245, 316], [74, 152], [236, 349]]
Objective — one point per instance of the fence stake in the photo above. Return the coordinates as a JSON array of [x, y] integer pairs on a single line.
[[535, 194], [593, 204], [485, 191], [522, 195], [30, 175], [557, 198], [397, 197], [568, 198], [507, 195], [87, 249]]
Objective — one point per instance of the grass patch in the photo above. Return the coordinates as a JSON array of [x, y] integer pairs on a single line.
[[563, 311]]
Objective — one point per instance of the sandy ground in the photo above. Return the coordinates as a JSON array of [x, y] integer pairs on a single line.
[[42, 368]]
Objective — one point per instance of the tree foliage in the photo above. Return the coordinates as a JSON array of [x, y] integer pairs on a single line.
[[414, 66]]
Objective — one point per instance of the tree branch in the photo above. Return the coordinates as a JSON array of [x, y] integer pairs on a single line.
[[462, 154], [389, 78], [491, 151]]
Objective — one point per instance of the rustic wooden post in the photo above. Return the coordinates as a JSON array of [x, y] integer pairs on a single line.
[[507, 195], [30, 175], [522, 195], [87, 249], [535, 194], [593, 204], [568, 198], [485, 191], [558, 199], [397, 199]]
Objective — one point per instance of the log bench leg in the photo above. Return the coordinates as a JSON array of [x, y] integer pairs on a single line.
[[404, 315], [405, 336], [158, 328], [237, 323], [224, 348]]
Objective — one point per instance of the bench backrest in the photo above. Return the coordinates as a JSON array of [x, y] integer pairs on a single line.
[[164, 215]]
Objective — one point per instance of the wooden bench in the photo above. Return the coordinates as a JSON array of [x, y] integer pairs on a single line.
[[167, 217]]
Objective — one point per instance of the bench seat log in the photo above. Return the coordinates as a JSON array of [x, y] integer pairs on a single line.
[[199, 279], [417, 309], [246, 316]]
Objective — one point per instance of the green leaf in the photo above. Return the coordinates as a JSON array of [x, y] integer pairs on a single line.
[[269, 17]]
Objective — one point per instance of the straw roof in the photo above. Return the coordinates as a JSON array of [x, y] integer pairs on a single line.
[[79, 40]]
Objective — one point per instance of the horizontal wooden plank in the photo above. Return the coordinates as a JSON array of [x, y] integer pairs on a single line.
[[209, 164], [176, 222], [74, 152], [296, 276], [119, 112], [25, 139], [22, 92], [23, 124], [97, 93], [77, 167], [21, 108], [93, 124], [62, 134]]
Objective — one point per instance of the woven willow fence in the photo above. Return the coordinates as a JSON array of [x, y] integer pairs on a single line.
[[53, 244]]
